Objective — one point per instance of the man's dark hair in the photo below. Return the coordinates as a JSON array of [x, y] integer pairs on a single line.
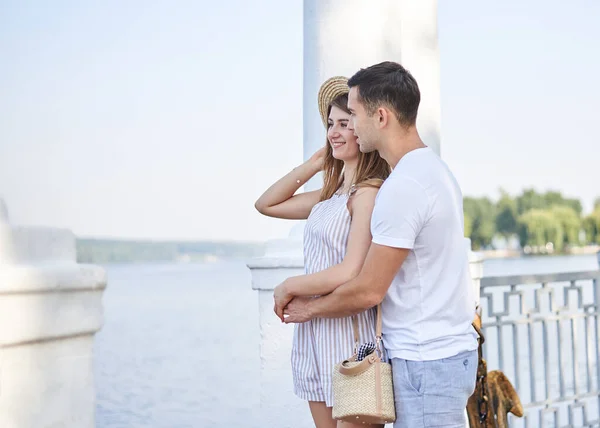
[[391, 85]]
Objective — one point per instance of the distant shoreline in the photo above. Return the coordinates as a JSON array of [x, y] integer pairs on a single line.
[[94, 250], [102, 251], [573, 251]]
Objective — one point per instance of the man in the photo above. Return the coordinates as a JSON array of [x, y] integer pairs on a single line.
[[417, 265]]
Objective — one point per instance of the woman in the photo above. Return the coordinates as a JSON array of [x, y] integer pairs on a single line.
[[336, 240]]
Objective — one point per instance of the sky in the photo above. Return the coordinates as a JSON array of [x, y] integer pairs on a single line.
[[141, 120]]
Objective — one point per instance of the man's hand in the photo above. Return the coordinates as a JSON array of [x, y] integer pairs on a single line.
[[297, 311], [282, 297]]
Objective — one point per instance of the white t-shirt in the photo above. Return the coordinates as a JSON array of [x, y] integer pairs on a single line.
[[430, 305]]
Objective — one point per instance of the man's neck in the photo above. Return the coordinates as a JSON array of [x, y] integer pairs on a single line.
[[399, 145]]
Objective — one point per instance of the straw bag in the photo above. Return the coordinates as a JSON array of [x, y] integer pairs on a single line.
[[363, 390]]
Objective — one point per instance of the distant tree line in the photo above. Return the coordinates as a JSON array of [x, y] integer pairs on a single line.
[[118, 251], [537, 219]]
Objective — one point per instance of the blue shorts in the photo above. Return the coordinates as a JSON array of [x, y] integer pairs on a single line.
[[434, 393]]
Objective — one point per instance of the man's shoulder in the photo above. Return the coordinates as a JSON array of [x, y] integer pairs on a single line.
[[427, 169], [402, 191], [418, 174], [402, 179]]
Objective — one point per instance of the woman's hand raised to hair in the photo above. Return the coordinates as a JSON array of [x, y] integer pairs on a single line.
[[280, 199], [317, 160]]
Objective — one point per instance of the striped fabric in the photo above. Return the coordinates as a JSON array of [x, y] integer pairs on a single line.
[[321, 343]]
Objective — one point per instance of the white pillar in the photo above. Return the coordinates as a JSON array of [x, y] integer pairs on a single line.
[[50, 309], [340, 37], [343, 36], [279, 407]]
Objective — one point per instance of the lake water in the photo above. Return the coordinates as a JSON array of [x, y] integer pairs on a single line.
[[179, 347]]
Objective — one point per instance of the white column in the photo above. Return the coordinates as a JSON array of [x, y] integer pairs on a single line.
[[343, 36], [279, 407], [340, 37], [50, 309]]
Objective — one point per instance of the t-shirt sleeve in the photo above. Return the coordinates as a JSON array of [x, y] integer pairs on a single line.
[[400, 212]]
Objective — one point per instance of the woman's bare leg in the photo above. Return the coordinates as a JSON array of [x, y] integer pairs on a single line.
[[322, 415]]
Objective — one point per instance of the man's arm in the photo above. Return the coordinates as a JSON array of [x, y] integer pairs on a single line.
[[363, 292], [401, 211]]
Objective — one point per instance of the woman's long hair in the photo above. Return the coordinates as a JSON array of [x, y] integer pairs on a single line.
[[371, 171]]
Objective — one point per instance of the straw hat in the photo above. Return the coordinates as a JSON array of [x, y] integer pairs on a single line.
[[330, 90]]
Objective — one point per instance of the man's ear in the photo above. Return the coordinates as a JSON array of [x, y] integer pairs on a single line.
[[383, 116]]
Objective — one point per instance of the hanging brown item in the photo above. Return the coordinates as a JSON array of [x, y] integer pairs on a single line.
[[494, 395]]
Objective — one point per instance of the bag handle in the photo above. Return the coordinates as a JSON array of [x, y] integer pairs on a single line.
[[377, 331], [361, 367], [355, 330]]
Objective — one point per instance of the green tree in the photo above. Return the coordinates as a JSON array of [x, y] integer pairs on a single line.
[[553, 198], [528, 200], [591, 226], [570, 222], [538, 227], [481, 215], [468, 226], [506, 217]]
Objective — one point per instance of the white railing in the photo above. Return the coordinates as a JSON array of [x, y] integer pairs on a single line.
[[543, 332]]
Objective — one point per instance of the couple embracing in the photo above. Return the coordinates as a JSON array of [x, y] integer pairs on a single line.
[[386, 230]]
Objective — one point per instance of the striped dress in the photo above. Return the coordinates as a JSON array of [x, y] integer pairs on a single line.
[[322, 342]]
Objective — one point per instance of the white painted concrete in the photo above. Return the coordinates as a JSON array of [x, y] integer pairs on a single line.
[[50, 309], [279, 407]]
